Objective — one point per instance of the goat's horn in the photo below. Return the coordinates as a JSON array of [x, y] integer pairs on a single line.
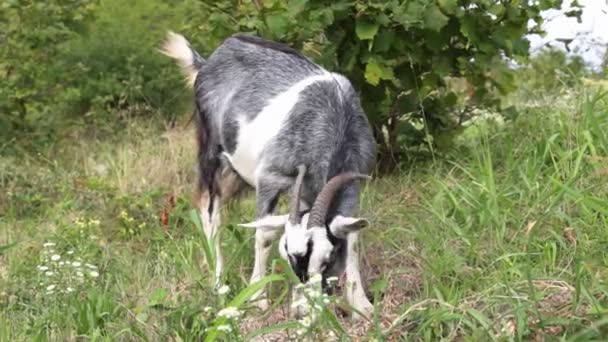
[[323, 200], [294, 215]]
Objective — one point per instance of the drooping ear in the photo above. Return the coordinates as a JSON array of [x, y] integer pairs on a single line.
[[341, 226], [270, 222]]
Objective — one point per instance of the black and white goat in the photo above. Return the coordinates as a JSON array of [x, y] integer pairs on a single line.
[[268, 115]]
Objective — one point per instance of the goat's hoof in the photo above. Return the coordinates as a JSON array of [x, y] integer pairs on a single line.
[[362, 312], [262, 304], [298, 312]]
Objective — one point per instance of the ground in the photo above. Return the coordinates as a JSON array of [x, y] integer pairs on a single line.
[[504, 237]]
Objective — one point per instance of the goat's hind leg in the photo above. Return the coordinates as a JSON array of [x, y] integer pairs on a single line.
[[210, 200]]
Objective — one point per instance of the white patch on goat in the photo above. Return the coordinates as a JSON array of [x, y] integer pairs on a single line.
[[297, 237], [297, 240], [254, 135], [321, 250]]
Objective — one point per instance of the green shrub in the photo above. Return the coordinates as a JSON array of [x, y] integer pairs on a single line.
[[116, 65], [399, 53]]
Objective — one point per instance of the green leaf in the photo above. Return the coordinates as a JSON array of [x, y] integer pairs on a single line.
[[468, 28], [157, 297], [366, 30], [296, 6], [252, 289], [208, 248], [434, 19], [375, 71], [7, 247], [409, 13], [448, 6], [277, 327], [277, 24], [384, 41]]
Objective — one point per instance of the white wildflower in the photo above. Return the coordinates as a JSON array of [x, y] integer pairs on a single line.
[[48, 244], [55, 257], [76, 264], [70, 252], [312, 293], [69, 289], [61, 263], [224, 289], [224, 328], [50, 287], [79, 274], [94, 274], [305, 322], [48, 273], [300, 332], [207, 309], [317, 278], [332, 279], [93, 267], [229, 312], [43, 268]]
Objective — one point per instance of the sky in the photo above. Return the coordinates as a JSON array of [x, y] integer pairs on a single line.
[[591, 35]]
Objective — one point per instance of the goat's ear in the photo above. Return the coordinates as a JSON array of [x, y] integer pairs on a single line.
[[270, 222], [341, 226]]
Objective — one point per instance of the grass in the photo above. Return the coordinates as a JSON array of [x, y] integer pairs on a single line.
[[503, 238]]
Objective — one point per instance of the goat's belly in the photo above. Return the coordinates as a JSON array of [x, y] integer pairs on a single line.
[[244, 162], [247, 155]]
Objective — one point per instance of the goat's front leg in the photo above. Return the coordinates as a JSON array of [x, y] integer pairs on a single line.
[[266, 197], [355, 294], [263, 242]]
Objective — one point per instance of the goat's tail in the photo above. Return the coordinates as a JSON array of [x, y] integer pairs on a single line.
[[178, 48]]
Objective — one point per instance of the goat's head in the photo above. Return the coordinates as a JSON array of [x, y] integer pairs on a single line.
[[309, 243]]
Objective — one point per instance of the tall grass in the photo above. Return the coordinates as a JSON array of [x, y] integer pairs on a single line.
[[503, 239]]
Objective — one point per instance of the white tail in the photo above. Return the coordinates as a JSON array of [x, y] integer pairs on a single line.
[[178, 48]]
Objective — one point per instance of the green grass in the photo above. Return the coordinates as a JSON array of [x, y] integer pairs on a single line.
[[503, 238]]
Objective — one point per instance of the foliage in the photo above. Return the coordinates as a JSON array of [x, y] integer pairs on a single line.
[[420, 65], [30, 35], [551, 70], [69, 62], [117, 66], [399, 53]]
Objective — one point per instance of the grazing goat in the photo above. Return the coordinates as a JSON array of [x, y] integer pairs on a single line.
[[269, 116]]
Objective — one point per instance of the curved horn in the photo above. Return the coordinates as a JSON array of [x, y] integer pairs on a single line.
[[294, 215], [321, 205]]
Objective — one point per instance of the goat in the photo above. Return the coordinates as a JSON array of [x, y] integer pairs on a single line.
[[269, 117]]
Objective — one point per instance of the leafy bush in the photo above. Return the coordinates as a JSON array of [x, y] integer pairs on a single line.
[[117, 65], [64, 60], [399, 53], [419, 64], [30, 36]]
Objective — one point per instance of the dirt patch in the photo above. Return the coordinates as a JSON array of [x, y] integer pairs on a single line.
[[400, 289]]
